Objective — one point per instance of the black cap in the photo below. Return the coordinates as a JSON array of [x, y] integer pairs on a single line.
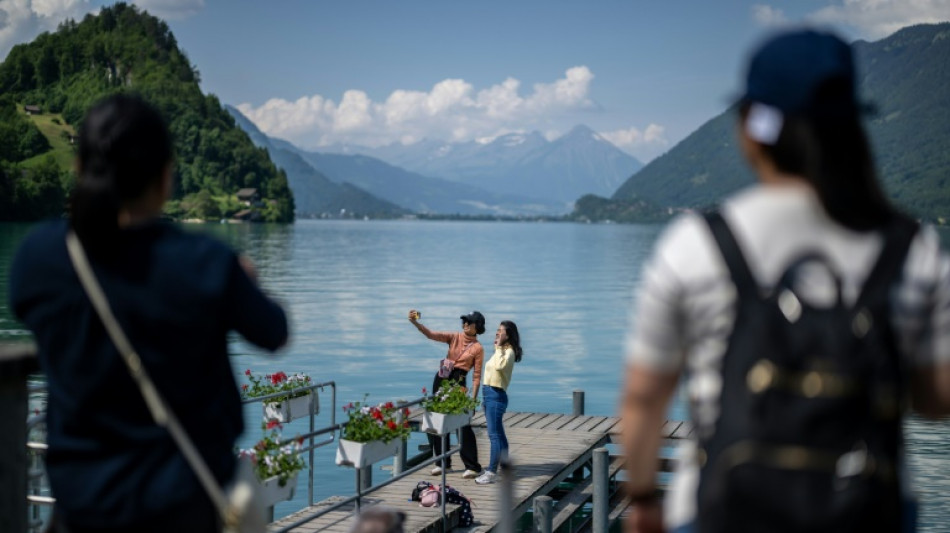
[[475, 318], [804, 73]]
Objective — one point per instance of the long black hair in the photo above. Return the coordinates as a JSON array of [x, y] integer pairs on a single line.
[[833, 154], [124, 147], [514, 339]]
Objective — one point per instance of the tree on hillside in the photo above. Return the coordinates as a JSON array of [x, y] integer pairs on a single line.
[[125, 49]]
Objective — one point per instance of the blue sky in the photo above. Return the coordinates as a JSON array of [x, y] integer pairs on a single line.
[[644, 74]]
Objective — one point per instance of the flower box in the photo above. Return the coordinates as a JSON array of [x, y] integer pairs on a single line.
[[272, 492], [292, 409], [362, 454], [440, 423]]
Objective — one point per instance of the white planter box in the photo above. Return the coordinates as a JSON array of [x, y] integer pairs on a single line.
[[272, 492], [292, 409], [440, 424], [362, 454]]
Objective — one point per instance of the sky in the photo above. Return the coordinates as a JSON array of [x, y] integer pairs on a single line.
[[644, 74]]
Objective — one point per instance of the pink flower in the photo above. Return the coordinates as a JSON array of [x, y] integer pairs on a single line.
[[424, 390], [247, 372]]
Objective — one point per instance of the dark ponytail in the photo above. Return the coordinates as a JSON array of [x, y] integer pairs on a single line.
[[514, 339], [833, 154], [124, 146]]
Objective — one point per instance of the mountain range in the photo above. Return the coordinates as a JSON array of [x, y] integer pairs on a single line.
[[515, 175], [560, 171], [904, 76]]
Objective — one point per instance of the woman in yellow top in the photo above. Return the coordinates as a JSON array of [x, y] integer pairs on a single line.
[[495, 398]]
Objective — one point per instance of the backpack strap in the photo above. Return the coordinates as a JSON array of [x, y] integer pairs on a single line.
[[898, 235], [738, 267]]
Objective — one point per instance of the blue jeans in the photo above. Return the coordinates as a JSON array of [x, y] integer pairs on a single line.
[[495, 401]]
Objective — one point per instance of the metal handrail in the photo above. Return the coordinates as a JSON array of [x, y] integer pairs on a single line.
[[399, 473], [313, 432]]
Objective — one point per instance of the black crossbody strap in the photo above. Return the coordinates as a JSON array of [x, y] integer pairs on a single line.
[[898, 236], [732, 254]]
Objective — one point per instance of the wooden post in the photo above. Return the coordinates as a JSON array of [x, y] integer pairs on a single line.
[[16, 362], [543, 517], [578, 402], [601, 492], [578, 410]]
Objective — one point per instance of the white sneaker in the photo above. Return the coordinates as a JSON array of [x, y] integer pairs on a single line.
[[436, 470], [469, 474], [486, 478]]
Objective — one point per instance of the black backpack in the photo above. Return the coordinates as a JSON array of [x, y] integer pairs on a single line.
[[809, 429]]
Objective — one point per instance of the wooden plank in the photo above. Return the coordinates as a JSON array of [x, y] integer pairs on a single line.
[[546, 449], [574, 424], [535, 420], [591, 423], [552, 422], [669, 428], [515, 420], [684, 430], [607, 425]]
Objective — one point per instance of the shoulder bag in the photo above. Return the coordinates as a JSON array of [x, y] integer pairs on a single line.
[[239, 505]]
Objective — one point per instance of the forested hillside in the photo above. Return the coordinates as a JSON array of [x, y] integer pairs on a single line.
[[905, 77], [59, 75]]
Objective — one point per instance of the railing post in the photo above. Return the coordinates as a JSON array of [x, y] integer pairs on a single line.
[[506, 521], [601, 492], [543, 517], [15, 364], [366, 477], [578, 402], [399, 461]]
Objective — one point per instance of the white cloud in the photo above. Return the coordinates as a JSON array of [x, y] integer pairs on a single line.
[[635, 140], [171, 9], [452, 109], [872, 19], [768, 15], [23, 20], [879, 18]]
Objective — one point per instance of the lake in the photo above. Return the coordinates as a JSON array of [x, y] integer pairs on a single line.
[[349, 284]]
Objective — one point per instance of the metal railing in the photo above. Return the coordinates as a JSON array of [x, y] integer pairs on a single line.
[[313, 433], [29, 515]]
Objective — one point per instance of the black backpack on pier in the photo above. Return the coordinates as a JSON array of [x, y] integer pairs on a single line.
[[809, 429]]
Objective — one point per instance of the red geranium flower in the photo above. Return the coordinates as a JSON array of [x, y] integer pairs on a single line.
[[391, 425], [272, 423]]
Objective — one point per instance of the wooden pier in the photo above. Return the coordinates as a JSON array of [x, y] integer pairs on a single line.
[[546, 449]]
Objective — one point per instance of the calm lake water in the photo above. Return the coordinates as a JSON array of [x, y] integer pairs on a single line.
[[349, 284]]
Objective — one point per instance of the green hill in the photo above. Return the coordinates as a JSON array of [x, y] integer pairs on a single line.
[[125, 49], [905, 75]]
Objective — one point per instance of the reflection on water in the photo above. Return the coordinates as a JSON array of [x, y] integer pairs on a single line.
[[349, 284]]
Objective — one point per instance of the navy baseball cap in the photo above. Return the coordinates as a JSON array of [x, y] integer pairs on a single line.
[[804, 73]]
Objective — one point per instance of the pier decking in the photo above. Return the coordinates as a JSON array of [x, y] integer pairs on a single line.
[[545, 449]]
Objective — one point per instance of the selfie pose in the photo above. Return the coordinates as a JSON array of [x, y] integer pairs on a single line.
[[465, 353], [495, 398]]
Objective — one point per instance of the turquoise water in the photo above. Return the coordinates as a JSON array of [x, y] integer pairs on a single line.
[[349, 284]]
